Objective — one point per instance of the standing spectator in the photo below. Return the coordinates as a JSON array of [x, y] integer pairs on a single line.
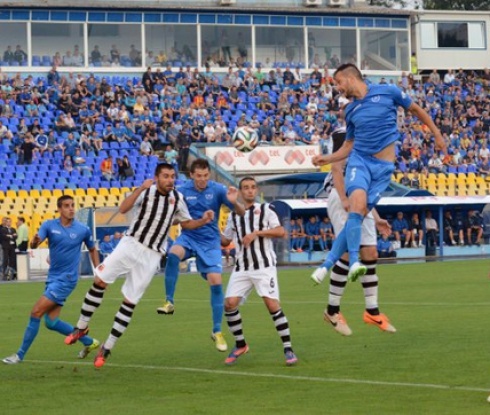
[[22, 234], [9, 238], [8, 55], [19, 55], [106, 168], [183, 144], [171, 156], [96, 55], [53, 76], [385, 248]]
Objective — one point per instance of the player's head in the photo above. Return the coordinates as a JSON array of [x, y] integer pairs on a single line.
[[347, 77], [248, 189], [165, 177], [66, 207], [200, 172]]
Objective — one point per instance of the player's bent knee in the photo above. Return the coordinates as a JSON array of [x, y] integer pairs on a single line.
[[231, 303], [178, 251], [369, 253], [49, 323]]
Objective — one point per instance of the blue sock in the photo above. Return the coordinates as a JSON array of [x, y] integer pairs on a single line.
[[217, 306], [29, 335], [171, 276], [353, 230], [65, 328], [339, 247]]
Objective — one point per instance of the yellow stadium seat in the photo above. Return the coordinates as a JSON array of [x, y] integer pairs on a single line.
[[35, 194], [57, 193], [451, 192], [112, 200], [114, 191], [80, 192], [103, 192], [124, 190], [462, 191], [2, 195], [472, 191], [480, 180], [12, 194], [69, 192], [482, 192], [23, 194], [92, 192], [46, 193]]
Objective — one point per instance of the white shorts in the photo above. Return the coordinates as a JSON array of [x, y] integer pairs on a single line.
[[134, 259], [264, 280], [338, 217]]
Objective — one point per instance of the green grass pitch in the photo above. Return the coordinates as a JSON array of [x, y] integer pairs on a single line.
[[437, 363]]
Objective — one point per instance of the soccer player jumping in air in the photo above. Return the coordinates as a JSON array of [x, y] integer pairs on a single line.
[[370, 145]]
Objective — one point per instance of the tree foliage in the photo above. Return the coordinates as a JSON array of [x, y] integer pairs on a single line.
[[435, 4]]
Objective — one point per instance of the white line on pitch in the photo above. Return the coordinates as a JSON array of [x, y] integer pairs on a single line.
[[273, 376]]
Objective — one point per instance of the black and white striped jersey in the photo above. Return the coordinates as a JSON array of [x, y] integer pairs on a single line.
[[154, 216], [338, 138], [260, 253]]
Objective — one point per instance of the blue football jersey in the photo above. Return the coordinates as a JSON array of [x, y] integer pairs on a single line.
[[198, 202], [65, 247], [371, 121]]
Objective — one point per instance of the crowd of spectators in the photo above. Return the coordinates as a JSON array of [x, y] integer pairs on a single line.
[[43, 116]]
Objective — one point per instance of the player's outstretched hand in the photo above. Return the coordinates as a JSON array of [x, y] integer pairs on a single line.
[[147, 183], [208, 216], [384, 227], [320, 160], [232, 194]]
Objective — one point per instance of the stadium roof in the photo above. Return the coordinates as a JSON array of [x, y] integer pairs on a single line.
[[203, 6]]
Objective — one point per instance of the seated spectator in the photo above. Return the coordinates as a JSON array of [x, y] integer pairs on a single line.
[[401, 231], [326, 232], [106, 246], [431, 229], [385, 248], [146, 148], [116, 238], [417, 231], [449, 228], [79, 162], [312, 231], [474, 228], [106, 168], [8, 55], [405, 180], [68, 164]]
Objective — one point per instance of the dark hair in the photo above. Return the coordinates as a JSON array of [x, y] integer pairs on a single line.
[[246, 178], [349, 69], [61, 199], [199, 164], [163, 166], [21, 218]]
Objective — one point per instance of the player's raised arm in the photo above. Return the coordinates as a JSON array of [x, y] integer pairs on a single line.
[[232, 196], [129, 202]]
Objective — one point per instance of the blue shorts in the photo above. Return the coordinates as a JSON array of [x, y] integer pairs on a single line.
[[58, 290], [369, 174], [208, 258]]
